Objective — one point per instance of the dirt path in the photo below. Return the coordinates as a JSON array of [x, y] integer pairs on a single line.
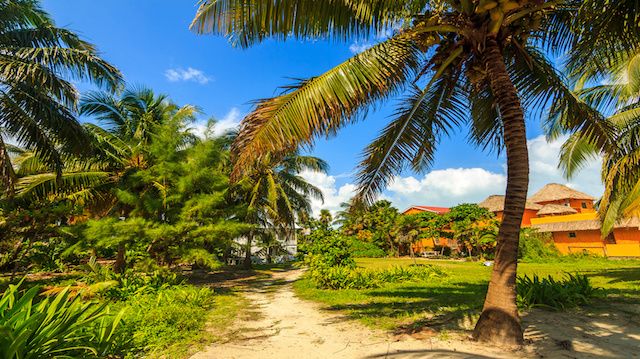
[[287, 327]]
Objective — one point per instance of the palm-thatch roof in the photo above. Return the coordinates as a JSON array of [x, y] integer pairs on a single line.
[[551, 209], [587, 225], [495, 203], [556, 191]]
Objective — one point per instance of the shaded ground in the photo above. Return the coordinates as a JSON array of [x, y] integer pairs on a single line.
[[280, 325]]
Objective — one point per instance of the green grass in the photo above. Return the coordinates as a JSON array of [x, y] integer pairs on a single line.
[[455, 302]]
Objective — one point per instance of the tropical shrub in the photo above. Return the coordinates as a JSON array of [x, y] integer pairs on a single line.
[[157, 320], [360, 278], [362, 249], [535, 246], [572, 291], [62, 326]]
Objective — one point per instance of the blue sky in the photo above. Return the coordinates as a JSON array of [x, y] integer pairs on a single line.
[[150, 42]]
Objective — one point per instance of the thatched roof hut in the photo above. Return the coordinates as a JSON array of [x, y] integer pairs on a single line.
[[495, 203], [587, 225], [555, 191], [555, 209]]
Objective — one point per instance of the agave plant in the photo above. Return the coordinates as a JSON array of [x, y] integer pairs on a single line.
[[59, 327]]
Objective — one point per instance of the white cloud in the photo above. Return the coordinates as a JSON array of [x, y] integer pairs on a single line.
[[358, 46], [190, 74], [333, 195], [445, 187], [229, 122], [452, 186], [543, 159]]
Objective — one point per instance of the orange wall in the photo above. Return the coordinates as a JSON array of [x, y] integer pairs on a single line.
[[427, 244], [574, 203], [526, 217], [626, 235], [589, 241], [627, 243], [412, 211]]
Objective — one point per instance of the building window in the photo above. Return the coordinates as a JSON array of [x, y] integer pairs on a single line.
[[572, 234], [611, 239], [584, 205]]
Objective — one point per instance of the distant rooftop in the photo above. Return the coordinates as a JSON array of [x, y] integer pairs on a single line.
[[438, 210], [556, 191], [495, 203], [550, 209]]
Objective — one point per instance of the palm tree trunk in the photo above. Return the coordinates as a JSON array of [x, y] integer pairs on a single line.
[[499, 321], [247, 252], [120, 263], [7, 173]]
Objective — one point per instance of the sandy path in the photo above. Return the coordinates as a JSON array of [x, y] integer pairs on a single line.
[[287, 327]]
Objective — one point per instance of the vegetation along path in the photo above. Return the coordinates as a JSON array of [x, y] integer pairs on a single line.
[[287, 327]]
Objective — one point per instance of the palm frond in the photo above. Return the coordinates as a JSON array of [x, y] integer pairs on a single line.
[[248, 22], [321, 105]]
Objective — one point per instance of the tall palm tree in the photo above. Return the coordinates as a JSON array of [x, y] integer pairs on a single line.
[[276, 194], [460, 62], [36, 99]]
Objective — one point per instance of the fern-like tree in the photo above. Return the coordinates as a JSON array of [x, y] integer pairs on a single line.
[[461, 63], [37, 101]]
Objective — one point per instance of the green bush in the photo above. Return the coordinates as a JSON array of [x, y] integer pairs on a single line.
[[572, 291], [171, 315], [362, 249], [62, 326], [359, 278], [534, 246], [129, 283]]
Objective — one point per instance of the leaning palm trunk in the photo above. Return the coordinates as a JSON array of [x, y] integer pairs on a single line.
[[499, 321]]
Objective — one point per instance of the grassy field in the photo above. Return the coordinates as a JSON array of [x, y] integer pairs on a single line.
[[455, 302]]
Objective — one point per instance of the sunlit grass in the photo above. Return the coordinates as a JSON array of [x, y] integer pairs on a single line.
[[455, 301]]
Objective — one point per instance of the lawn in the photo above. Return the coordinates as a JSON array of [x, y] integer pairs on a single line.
[[455, 302]]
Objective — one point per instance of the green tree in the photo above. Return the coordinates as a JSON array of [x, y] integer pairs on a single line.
[[276, 194], [451, 56], [374, 224], [605, 65], [36, 99]]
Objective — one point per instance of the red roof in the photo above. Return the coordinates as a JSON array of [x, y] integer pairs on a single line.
[[438, 210]]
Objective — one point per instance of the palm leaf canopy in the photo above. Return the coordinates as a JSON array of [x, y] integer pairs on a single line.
[[434, 58], [36, 98]]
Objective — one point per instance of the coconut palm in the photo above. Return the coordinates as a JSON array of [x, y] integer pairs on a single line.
[[605, 65], [460, 63], [276, 194], [36, 101], [621, 99]]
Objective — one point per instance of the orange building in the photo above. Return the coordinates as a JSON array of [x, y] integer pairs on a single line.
[[570, 217], [427, 244], [495, 204]]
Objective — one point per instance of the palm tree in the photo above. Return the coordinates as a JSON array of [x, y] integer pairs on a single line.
[[461, 63], [276, 194], [605, 65], [36, 101]]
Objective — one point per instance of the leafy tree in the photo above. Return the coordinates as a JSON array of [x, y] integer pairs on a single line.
[[373, 224], [463, 63], [36, 101]]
